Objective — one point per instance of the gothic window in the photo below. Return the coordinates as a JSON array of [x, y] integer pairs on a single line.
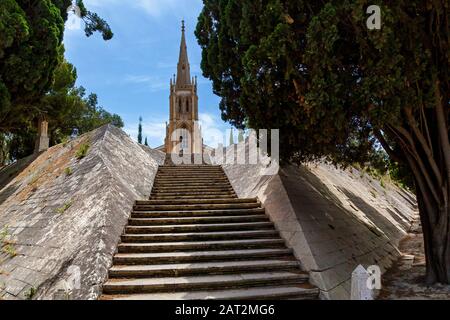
[[179, 105], [187, 106], [184, 139]]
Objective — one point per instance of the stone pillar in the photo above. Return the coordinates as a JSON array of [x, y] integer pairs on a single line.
[[42, 139], [359, 287]]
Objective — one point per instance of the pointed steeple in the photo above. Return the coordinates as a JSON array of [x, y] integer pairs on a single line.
[[184, 72]]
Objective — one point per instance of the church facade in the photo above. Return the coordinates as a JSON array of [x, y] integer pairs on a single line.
[[183, 132]]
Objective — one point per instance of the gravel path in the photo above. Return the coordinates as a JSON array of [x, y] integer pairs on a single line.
[[406, 280]]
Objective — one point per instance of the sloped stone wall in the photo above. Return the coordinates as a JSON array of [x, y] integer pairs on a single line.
[[62, 216], [333, 219]]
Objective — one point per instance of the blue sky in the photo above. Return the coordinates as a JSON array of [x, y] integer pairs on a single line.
[[131, 72]]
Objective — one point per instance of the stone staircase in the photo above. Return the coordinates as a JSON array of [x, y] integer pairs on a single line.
[[194, 239]]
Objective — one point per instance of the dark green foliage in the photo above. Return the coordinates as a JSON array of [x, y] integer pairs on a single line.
[[140, 131], [31, 34], [93, 23], [146, 142], [69, 107], [21, 144], [82, 151], [241, 136], [68, 171], [35, 79], [337, 90], [30, 293]]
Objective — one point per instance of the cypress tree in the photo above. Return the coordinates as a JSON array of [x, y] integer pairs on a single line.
[[140, 131]]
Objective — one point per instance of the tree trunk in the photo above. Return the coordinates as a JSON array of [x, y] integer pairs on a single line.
[[436, 239], [430, 167]]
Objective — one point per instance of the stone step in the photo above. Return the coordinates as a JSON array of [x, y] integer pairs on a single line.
[[197, 220], [174, 170], [208, 195], [199, 256], [192, 193], [199, 236], [190, 177], [188, 194], [195, 190], [196, 213], [174, 193], [173, 180], [200, 175], [189, 165], [185, 207], [190, 228], [171, 177], [213, 282], [192, 189], [208, 268], [300, 292], [190, 171], [201, 245], [181, 183], [195, 201], [199, 228], [189, 168], [164, 197], [198, 166], [195, 239]]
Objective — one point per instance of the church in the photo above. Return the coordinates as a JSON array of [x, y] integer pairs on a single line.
[[183, 132]]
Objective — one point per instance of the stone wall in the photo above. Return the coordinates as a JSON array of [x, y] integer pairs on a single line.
[[333, 219], [62, 216]]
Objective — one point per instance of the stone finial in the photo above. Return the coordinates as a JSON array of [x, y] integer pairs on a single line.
[[42, 139], [359, 287]]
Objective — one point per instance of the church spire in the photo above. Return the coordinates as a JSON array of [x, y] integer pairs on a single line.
[[184, 72]]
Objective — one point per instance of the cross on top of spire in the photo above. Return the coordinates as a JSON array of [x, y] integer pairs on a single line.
[[183, 70]]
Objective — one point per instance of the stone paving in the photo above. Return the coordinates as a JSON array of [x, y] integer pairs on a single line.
[[333, 219], [62, 217]]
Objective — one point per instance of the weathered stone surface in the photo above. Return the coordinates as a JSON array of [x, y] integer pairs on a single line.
[[333, 219], [60, 220]]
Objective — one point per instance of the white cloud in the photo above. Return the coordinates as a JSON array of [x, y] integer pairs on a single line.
[[213, 130], [157, 8], [138, 79], [153, 83], [154, 8]]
